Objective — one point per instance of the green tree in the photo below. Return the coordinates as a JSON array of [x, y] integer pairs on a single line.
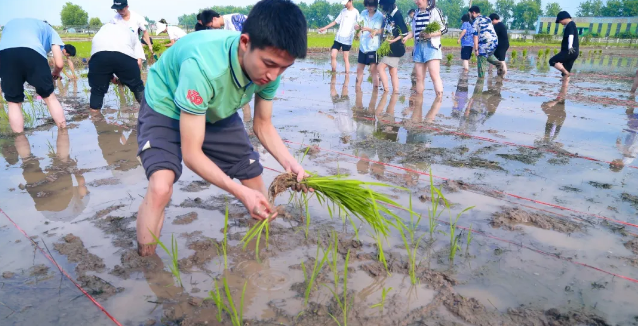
[[552, 9], [630, 8], [526, 14], [149, 21], [590, 8], [505, 9], [452, 9], [187, 20], [74, 15], [485, 6], [613, 8], [95, 22]]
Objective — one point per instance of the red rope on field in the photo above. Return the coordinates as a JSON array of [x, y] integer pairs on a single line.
[[516, 244], [495, 191], [97, 304], [492, 140]]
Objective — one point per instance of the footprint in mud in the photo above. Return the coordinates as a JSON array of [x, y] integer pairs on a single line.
[[270, 280]]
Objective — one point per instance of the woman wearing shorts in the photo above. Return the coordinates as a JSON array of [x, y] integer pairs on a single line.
[[371, 25], [427, 47], [466, 39], [396, 27]]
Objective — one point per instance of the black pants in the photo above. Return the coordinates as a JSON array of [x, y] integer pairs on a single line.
[[18, 65], [565, 58], [101, 69]]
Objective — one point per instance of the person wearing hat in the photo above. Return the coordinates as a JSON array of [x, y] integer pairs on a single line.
[[24, 46], [564, 60], [132, 20], [347, 19], [174, 33]]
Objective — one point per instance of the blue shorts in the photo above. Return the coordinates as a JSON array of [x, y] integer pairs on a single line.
[[226, 143], [424, 52]]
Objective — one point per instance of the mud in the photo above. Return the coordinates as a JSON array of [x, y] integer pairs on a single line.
[[196, 186], [280, 184], [8, 274], [39, 270], [73, 247], [121, 228], [509, 218], [632, 245], [98, 287], [633, 200], [187, 218]]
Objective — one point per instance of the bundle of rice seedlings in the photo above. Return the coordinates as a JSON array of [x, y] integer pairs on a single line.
[[432, 27], [384, 49], [354, 197]]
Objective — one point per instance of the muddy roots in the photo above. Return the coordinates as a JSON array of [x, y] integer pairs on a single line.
[[281, 183]]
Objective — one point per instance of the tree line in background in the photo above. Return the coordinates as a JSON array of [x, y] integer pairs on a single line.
[[610, 8]]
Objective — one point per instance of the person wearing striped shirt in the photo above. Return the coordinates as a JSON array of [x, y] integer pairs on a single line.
[[485, 41], [427, 47]]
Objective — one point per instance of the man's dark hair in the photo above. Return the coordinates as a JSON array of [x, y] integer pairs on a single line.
[[371, 3], [495, 16], [207, 16], [280, 24], [465, 18], [411, 11], [387, 5], [475, 9], [70, 49]]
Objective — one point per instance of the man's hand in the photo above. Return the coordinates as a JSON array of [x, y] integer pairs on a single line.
[[458, 41], [256, 204], [56, 75], [139, 63], [571, 50], [321, 30]]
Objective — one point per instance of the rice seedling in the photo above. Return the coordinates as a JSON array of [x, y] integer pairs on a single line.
[[449, 58], [473, 59], [468, 240], [353, 197], [384, 293], [540, 54], [546, 51], [305, 201], [342, 303], [524, 53], [315, 270], [225, 241], [436, 196], [384, 49], [555, 51], [236, 317], [514, 55], [173, 254], [432, 27], [454, 239], [256, 231]]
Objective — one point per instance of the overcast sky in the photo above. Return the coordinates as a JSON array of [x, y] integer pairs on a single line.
[[155, 9]]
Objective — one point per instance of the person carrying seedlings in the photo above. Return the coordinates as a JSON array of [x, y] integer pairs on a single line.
[[348, 18], [466, 39], [230, 22], [174, 33], [69, 51], [564, 60], [485, 41], [115, 50], [503, 41], [132, 20], [370, 29], [189, 112], [205, 20], [24, 46], [394, 26], [427, 27]]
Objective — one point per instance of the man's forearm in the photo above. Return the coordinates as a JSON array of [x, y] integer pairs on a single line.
[[475, 42], [269, 137], [147, 39]]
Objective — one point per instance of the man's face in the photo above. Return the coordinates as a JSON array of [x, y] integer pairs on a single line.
[[411, 14], [263, 65], [123, 12], [66, 54], [421, 3], [564, 21], [371, 8], [495, 21], [216, 22], [210, 24], [474, 14]]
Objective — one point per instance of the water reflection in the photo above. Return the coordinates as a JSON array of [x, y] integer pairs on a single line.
[[627, 142], [117, 141], [481, 106], [341, 112], [556, 114], [59, 190]]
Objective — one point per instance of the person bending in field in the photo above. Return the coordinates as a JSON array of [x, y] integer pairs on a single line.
[[189, 112], [564, 60], [24, 46], [132, 20], [230, 22], [174, 33], [69, 51], [348, 18], [205, 20], [115, 50], [503, 41], [485, 41]]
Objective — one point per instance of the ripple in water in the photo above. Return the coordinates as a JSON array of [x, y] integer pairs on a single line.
[[270, 280]]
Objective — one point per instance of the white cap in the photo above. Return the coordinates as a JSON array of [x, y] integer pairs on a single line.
[[160, 28], [344, 2]]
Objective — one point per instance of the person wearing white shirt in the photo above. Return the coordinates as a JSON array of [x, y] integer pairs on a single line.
[[174, 33], [115, 50], [347, 19], [132, 20], [230, 22]]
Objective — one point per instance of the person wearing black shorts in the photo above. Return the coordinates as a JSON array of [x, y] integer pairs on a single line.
[[503, 41], [564, 60], [23, 57]]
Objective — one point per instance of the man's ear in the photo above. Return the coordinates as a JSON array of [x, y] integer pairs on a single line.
[[244, 42]]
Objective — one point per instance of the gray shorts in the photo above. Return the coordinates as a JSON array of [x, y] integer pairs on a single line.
[[392, 62], [226, 143]]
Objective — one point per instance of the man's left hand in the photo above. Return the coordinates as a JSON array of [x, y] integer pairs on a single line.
[[571, 50]]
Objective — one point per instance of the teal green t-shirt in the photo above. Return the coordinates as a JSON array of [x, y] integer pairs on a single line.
[[200, 74]]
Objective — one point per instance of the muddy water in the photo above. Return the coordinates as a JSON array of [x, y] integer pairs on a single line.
[[499, 139]]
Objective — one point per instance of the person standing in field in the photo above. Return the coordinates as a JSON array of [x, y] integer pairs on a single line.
[[115, 50], [174, 33], [189, 112], [503, 41], [394, 26], [24, 46], [370, 30], [485, 41], [205, 20], [230, 22], [564, 60], [348, 18], [427, 47], [132, 20], [466, 39]]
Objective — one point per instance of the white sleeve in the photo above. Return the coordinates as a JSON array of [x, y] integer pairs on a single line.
[[570, 41], [141, 22], [339, 18]]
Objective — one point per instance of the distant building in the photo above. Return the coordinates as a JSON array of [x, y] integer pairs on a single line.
[[599, 26]]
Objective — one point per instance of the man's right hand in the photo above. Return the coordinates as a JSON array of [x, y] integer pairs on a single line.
[[56, 75], [256, 204]]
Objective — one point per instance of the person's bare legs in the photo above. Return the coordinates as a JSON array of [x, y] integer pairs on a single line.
[[419, 69], [383, 76], [256, 183], [150, 217], [346, 60], [434, 66], [394, 74], [559, 66], [56, 111], [375, 75], [16, 119], [360, 68], [633, 88], [23, 147], [503, 68], [62, 145], [466, 65], [333, 59]]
